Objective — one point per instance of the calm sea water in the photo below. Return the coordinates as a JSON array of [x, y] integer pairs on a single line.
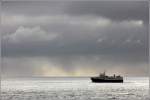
[[73, 89]]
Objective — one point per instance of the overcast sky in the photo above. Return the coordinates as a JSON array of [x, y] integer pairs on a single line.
[[74, 38]]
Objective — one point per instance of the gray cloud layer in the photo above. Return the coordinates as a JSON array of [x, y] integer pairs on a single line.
[[117, 10], [114, 33]]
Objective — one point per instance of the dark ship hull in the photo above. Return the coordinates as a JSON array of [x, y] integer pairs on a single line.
[[99, 80]]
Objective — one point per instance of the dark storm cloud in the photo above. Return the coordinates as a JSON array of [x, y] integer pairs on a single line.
[[72, 36], [34, 8], [115, 10], [117, 39], [75, 33]]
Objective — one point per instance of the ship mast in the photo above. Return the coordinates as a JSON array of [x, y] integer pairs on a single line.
[[104, 72]]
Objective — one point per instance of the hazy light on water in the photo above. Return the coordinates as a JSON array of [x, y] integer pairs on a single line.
[[73, 88]]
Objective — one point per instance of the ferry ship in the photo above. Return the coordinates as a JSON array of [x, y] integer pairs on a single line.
[[102, 78]]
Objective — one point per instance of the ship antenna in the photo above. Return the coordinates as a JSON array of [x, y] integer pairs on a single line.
[[104, 72]]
